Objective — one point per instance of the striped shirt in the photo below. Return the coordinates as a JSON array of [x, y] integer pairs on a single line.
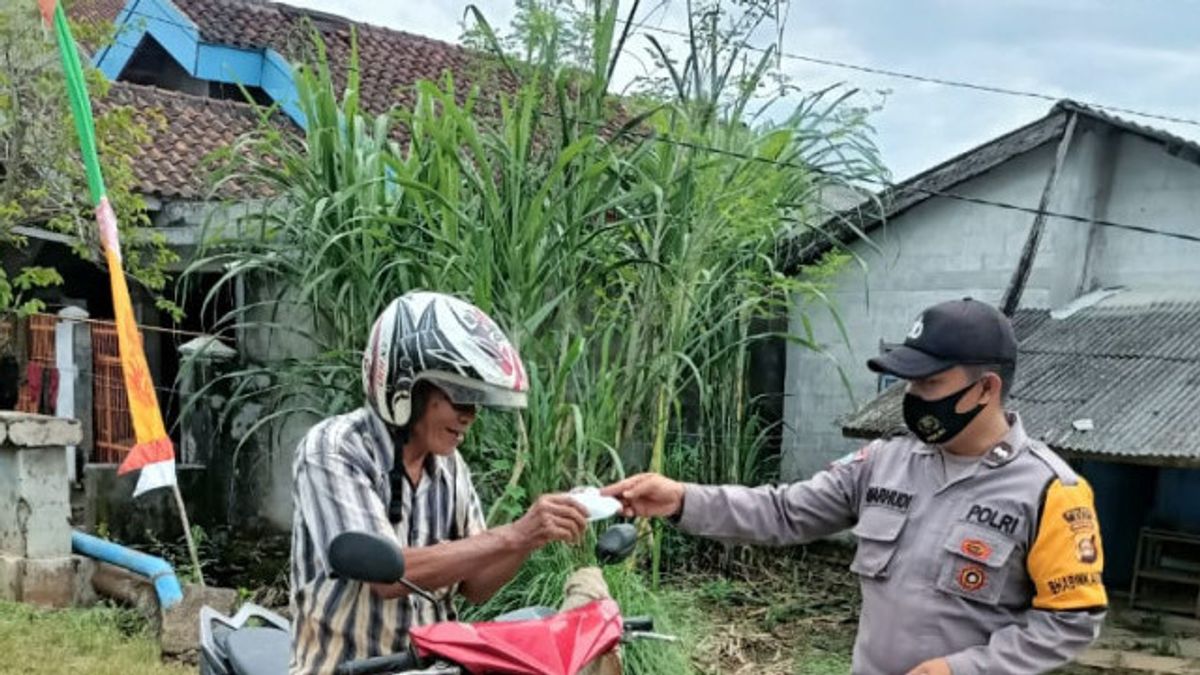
[[341, 483]]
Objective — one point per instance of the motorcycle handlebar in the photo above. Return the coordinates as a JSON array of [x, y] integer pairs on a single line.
[[638, 623], [377, 665]]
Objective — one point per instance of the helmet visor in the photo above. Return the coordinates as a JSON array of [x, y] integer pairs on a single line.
[[465, 391]]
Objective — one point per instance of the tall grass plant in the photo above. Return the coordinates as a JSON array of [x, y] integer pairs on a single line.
[[633, 266]]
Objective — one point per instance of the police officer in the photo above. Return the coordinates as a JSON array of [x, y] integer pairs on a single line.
[[978, 547]]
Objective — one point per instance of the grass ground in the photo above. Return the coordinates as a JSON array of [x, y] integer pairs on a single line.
[[96, 641], [769, 615]]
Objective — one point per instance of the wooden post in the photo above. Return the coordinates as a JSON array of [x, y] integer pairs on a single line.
[[1016, 287]]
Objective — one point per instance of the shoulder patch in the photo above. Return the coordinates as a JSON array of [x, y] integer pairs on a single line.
[[1062, 471], [1067, 558], [855, 457]]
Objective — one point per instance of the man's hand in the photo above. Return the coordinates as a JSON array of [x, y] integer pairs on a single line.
[[551, 518], [647, 494], [932, 667]]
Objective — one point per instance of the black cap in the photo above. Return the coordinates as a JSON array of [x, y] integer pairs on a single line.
[[959, 332]]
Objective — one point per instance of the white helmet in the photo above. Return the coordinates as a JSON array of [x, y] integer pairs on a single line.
[[448, 342]]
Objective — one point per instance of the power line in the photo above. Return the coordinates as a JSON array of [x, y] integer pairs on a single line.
[[887, 184], [1054, 214], [873, 70], [928, 79], [883, 183], [112, 324]]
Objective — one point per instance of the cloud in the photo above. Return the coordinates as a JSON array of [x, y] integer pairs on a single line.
[[440, 20], [1131, 55]]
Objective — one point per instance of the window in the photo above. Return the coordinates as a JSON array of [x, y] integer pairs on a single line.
[[233, 92], [153, 66]]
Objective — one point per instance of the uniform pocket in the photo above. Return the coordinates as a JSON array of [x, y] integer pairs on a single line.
[[976, 563], [878, 533]]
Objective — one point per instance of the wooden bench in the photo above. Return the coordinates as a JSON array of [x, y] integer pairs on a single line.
[[1166, 559]]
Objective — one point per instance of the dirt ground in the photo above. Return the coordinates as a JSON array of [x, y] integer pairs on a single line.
[[794, 611], [774, 614], [797, 613]]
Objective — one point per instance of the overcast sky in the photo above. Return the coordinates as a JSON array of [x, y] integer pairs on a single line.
[[1139, 54]]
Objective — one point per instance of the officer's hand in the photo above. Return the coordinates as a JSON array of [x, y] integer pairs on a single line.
[[551, 518], [932, 667], [647, 494]]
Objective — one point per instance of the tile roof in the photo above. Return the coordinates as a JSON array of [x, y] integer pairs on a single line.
[[390, 59], [184, 130], [391, 63], [1134, 370], [96, 10]]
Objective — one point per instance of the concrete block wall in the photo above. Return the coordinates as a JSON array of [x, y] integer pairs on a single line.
[[36, 564], [1157, 189]]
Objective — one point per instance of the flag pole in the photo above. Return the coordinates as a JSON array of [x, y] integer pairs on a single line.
[[187, 534]]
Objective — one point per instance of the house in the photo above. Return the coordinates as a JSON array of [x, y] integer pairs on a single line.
[[936, 241], [182, 66], [1108, 317]]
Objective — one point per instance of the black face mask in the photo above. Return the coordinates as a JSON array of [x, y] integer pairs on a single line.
[[937, 421]]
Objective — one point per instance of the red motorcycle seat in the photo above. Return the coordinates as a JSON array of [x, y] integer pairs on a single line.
[[561, 644]]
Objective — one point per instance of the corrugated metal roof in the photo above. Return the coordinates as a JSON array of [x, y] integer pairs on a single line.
[[1160, 330], [1133, 370]]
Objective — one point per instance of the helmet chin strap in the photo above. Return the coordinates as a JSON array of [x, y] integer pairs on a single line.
[[397, 477]]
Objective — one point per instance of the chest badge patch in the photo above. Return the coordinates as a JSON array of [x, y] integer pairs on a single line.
[[972, 578], [976, 549]]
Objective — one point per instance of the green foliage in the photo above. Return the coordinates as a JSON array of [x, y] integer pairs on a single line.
[[175, 552], [634, 275], [539, 26], [13, 293], [540, 582], [101, 640], [42, 184]]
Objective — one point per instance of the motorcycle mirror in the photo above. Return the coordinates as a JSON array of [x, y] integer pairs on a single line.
[[616, 544], [363, 556]]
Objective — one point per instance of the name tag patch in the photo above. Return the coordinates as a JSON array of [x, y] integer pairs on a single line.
[[890, 498], [994, 518], [1070, 582]]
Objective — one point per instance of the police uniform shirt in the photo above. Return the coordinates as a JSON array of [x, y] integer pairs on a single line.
[[956, 466], [341, 483], [998, 569]]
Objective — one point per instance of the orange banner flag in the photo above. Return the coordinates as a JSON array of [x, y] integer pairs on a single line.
[[153, 452]]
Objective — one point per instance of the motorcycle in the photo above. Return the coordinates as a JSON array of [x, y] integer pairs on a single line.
[[532, 640]]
